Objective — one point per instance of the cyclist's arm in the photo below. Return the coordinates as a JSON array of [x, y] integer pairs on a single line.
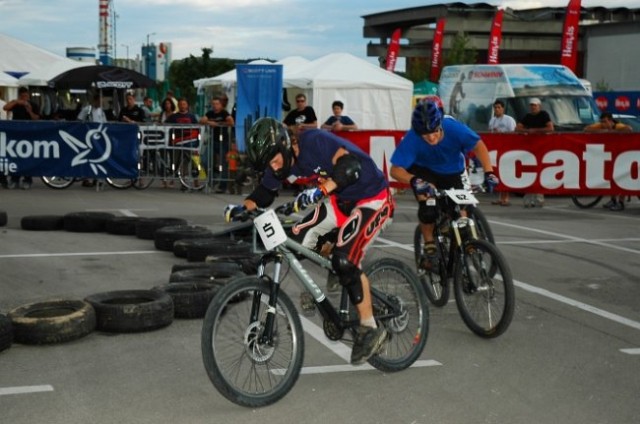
[[400, 174], [482, 153]]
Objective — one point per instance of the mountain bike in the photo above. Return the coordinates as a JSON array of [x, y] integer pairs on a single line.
[[59, 183], [479, 272], [252, 338], [170, 163], [586, 202]]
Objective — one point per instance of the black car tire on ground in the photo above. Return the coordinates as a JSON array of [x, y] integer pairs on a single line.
[[165, 237], [220, 273], [3, 218], [201, 248], [130, 311], [190, 299], [206, 265], [42, 222], [6, 333], [53, 321], [122, 225], [86, 222], [146, 227]]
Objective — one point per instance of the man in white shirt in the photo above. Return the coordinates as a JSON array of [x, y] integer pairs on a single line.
[[500, 122], [93, 112]]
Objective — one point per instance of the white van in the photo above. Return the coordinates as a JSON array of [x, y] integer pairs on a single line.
[[468, 93]]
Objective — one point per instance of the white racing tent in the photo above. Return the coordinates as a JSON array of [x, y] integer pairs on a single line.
[[373, 97], [7, 80]]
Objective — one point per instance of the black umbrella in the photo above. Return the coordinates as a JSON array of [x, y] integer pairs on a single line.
[[101, 76]]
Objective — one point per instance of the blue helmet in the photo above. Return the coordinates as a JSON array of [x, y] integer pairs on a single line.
[[426, 117]]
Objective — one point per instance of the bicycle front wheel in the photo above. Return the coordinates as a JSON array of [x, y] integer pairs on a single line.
[[246, 366], [484, 289], [585, 202], [190, 170], [434, 279], [58, 183], [482, 225], [400, 304], [120, 183]]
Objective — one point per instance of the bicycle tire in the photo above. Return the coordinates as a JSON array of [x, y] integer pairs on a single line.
[[243, 371], [485, 300], [482, 225], [147, 169], [58, 183], [585, 202], [120, 183], [408, 332], [188, 174], [435, 281]]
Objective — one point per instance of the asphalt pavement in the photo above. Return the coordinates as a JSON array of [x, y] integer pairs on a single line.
[[571, 354]]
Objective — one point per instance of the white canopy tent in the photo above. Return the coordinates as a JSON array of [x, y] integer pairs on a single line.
[[7, 80], [373, 97], [30, 64]]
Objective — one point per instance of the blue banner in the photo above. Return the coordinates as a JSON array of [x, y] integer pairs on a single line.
[[259, 95], [620, 102], [68, 149]]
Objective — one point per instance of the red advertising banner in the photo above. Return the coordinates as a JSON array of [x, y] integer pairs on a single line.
[[569, 46], [392, 51], [495, 38], [436, 50], [559, 163]]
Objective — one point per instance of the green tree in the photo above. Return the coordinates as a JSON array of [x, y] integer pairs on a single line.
[[461, 52]]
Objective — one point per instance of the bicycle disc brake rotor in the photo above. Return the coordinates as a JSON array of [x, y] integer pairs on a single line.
[[400, 322], [258, 352]]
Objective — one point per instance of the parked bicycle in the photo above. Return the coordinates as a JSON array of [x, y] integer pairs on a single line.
[[586, 202], [60, 183], [479, 272], [169, 164], [252, 338]]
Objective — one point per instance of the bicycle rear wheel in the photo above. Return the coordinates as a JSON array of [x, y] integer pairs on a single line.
[[484, 289], [244, 368], [58, 183], [434, 280], [120, 183], [189, 171], [400, 304]]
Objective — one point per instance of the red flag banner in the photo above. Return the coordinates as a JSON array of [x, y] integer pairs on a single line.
[[569, 46], [436, 50], [495, 38], [392, 51]]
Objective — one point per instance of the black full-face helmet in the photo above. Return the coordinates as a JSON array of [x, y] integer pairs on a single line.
[[268, 137]]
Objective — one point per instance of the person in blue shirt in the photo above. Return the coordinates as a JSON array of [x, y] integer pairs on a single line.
[[338, 121], [431, 155], [352, 195]]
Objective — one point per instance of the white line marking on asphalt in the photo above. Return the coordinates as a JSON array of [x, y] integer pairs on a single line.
[[25, 389], [567, 237], [342, 351], [551, 295], [634, 351], [49, 255]]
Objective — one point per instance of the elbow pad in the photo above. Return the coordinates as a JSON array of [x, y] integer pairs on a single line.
[[347, 170], [262, 196]]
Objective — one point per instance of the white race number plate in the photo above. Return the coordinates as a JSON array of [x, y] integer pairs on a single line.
[[270, 229]]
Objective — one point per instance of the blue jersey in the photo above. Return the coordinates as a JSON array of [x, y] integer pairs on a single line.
[[444, 158], [317, 149]]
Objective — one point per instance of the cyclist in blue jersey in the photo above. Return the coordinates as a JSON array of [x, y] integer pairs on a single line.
[[431, 155], [352, 196]]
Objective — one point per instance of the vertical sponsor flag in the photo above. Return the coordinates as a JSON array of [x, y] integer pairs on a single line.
[[392, 51], [495, 38], [569, 46], [436, 50], [259, 95]]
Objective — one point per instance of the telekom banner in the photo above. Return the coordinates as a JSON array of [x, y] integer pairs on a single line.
[[569, 46], [392, 51], [560, 163], [436, 50], [495, 38]]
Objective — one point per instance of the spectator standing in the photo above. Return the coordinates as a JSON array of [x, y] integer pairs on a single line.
[[131, 112], [536, 121], [220, 122], [23, 109], [168, 109], [233, 161], [607, 123], [150, 114], [338, 121], [302, 117], [501, 122], [93, 112]]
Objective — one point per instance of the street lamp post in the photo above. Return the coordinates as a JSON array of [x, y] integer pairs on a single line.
[[127, 62]]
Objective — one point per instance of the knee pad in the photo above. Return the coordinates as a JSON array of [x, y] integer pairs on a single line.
[[427, 214], [349, 276]]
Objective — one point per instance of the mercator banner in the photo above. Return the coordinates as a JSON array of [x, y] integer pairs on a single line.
[[68, 149]]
